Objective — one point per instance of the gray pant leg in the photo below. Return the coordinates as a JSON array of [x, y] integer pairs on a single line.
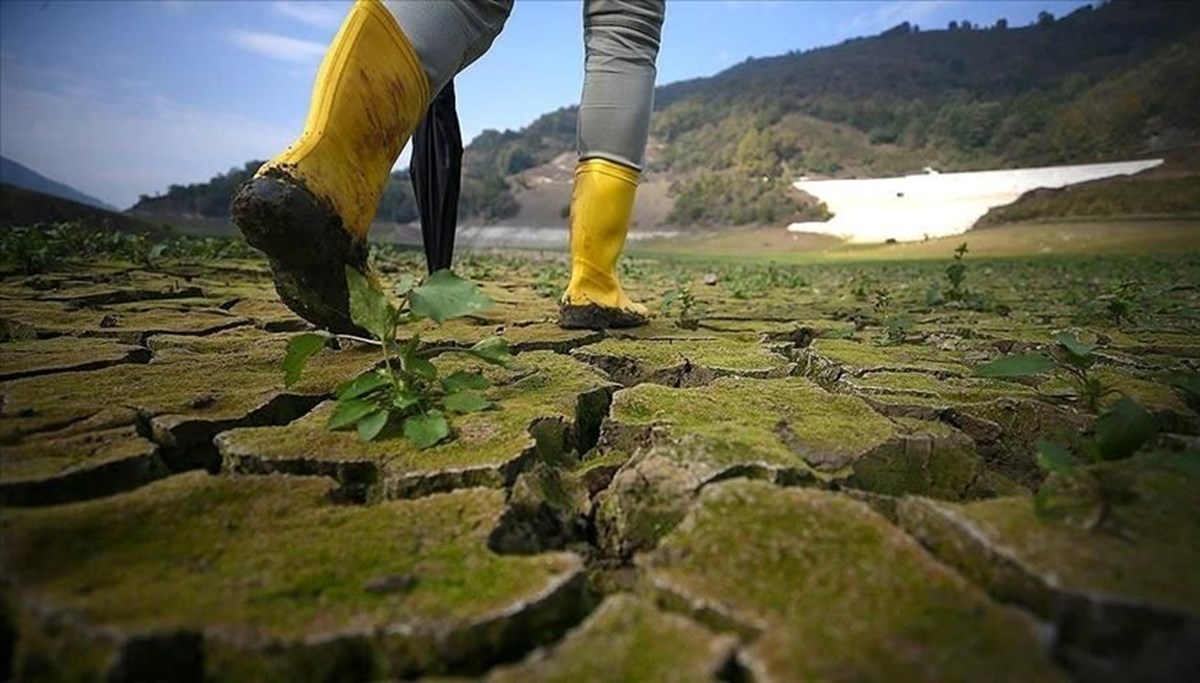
[[621, 39], [448, 35]]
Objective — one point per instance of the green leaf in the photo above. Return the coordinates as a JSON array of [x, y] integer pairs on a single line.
[[493, 350], [369, 309], [461, 380], [421, 368], [1071, 343], [445, 295], [371, 424], [1123, 429], [348, 412], [1020, 365], [1055, 457], [465, 402], [299, 349], [427, 429], [415, 364], [363, 384], [405, 400], [405, 284]]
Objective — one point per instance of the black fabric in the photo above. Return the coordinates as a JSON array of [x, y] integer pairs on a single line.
[[436, 172]]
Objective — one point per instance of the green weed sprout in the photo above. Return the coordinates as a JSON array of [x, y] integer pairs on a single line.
[[1070, 357], [1080, 489], [406, 388], [956, 275], [683, 301]]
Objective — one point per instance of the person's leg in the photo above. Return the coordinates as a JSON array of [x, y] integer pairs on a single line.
[[621, 39], [311, 206]]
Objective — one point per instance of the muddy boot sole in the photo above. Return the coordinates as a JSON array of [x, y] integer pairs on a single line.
[[593, 317], [308, 249]]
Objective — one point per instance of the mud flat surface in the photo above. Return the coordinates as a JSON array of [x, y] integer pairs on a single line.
[[798, 478]]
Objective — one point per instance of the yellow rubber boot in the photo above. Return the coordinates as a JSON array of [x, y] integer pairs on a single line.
[[310, 208], [601, 208]]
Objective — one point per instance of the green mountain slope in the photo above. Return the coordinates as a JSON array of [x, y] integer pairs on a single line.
[[18, 175]]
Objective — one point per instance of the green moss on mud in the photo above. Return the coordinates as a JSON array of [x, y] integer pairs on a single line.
[[224, 383], [855, 356], [542, 391], [36, 357], [948, 391], [778, 421], [627, 640], [835, 592], [716, 354], [270, 558], [1006, 547]]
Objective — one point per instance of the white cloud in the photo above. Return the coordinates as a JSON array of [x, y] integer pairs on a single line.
[[319, 14], [116, 141], [279, 47]]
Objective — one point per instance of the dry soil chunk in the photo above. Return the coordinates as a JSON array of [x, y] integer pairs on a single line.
[[545, 407], [828, 360], [625, 641], [682, 362], [75, 464], [188, 396], [262, 578], [63, 354], [825, 589], [777, 423], [1133, 594], [127, 322]]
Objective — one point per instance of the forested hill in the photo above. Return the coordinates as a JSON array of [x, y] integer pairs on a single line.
[[1116, 81], [1112, 82]]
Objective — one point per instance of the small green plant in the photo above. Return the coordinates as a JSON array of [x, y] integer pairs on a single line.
[[895, 327], [956, 275], [1071, 357], [1122, 301], [895, 330], [1080, 489], [406, 388], [683, 302]]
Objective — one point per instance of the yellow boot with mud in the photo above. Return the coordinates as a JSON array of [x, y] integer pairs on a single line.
[[310, 208], [601, 209]]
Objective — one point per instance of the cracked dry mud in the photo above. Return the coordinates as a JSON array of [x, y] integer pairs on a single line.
[[776, 493]]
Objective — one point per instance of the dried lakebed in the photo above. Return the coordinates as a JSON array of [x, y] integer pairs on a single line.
[[778, 486]]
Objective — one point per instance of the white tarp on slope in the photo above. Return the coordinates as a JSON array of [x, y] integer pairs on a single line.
[[936, 204]]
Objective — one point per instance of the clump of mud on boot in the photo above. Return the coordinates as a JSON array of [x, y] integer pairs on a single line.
[[308, 249], [593, 317]]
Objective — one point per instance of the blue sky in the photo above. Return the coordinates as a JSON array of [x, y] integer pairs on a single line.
[[121, 98]]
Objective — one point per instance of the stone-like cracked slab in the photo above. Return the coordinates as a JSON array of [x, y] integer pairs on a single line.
[[175, 395], [101, 455], [546, 407], [627, 640], [262, 578], [682, 362], [825, 589], [1133, 595], [29, 358]]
